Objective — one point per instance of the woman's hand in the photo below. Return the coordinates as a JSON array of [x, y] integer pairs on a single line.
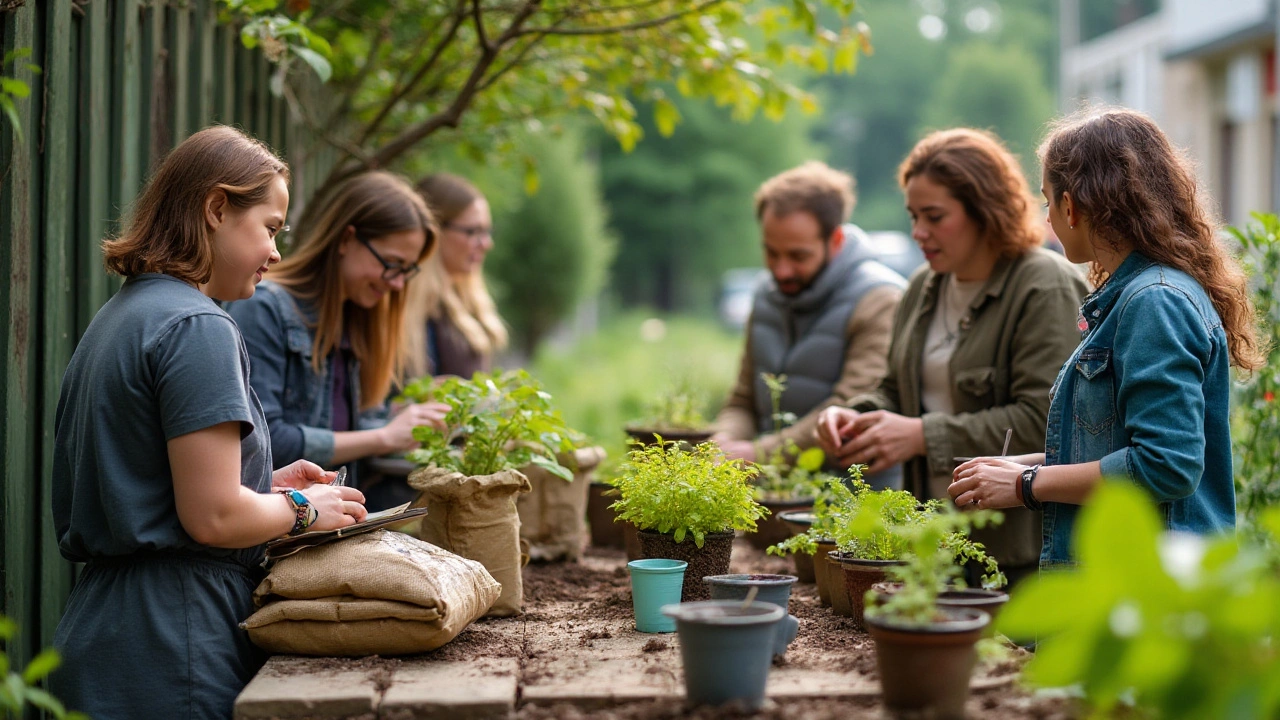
[[338, 507], [301, 475], [835, 429], [986, 483], [398, 434], [881, 439]]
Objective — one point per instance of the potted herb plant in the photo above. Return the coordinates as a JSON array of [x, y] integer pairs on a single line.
[[676, 416], [686, 503], [925, 651], [810, 550], [498, 423], [875, 535]]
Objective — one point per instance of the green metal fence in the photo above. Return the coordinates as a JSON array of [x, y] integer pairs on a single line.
[[122, 81]]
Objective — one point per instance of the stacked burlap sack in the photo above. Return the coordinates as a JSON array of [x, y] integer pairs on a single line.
[[553, 514], [476, 518], [381, 593]]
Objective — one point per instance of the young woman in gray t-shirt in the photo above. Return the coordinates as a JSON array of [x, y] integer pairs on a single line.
[[162, 480]]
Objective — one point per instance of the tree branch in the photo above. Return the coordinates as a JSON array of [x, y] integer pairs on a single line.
[[478, 19], [629, 27], [423, 69]]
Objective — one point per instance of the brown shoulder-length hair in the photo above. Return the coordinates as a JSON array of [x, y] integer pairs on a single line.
[[165, 231], [376, 204], [1135, 188], [980, 172]]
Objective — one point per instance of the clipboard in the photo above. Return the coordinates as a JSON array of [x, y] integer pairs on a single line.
[[290, 544]]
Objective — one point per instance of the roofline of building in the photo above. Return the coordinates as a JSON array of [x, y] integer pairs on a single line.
[[1261, 30]]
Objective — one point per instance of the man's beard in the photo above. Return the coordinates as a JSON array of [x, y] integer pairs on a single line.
[[801, 286]]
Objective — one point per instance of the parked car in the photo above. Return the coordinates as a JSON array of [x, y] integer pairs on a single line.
[[737, 286]]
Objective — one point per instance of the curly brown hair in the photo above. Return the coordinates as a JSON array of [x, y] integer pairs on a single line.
[[166, 230], [1136, 189], [980, 172]]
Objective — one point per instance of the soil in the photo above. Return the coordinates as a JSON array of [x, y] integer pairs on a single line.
[[711, 559]]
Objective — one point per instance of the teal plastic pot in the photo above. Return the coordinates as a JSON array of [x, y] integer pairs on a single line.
[[726, 648], [654, 583]]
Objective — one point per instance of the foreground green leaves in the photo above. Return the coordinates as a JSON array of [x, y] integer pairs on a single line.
[[19, 690], [1181, 625]]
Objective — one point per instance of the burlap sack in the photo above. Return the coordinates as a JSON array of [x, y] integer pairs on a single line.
[[553, 515], [381, 593], [476, 518]]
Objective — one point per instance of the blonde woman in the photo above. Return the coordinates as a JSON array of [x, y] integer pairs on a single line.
[[453, 326], [324, 335]]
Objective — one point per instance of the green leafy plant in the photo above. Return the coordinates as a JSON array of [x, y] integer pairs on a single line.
[[282, 38], [12, 89], [667, 489], [1256, 417], [831, 505], [497, 421], [18, 690], [789, 473], [679, 408], [935, 548], [1178, 625]]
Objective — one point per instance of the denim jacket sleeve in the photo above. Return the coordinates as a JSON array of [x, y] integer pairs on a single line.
[[1161, 352], [263, 326]]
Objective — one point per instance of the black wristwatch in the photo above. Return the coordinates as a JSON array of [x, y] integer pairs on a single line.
[[1028, 497]]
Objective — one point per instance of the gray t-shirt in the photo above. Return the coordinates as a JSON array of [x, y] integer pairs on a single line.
[[159, 360]]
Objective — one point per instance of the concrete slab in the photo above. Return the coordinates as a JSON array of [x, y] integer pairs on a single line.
[[426, 690], [290, 687]]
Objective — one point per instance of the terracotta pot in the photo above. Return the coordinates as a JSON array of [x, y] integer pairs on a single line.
[[647, 435], [848, 597], [798, 522], [925, 669], [988, 601], [710, 559], [604, 531], [821, 571], [772, 529], [631, 541]]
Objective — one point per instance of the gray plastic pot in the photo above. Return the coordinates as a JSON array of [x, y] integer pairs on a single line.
[[726, 648], [775, 589]]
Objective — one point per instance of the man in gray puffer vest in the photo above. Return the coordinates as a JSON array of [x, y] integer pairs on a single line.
[[823, 316]]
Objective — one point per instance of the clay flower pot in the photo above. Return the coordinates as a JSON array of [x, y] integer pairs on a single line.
[[775, 589], [988, 601], [849, 589], [823, 570], [710, 559], [925, 669], [772, 529], [726, 649], [604, 531], [798, 522]]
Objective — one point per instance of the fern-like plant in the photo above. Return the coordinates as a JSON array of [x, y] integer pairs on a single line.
[[688, 493], [497, 421]]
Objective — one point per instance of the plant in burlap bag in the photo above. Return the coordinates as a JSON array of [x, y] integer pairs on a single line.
[[498, 422], [380, 593], [553, 514]]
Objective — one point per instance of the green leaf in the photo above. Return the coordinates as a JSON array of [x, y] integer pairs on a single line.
[[553, 467], [811, 459], [16, 88], [531, 179], [317, 62], [40, 666], [666, 116], [46, 702], [11, 112]]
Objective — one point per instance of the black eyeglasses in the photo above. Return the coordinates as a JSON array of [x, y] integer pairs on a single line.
[[391, 271]]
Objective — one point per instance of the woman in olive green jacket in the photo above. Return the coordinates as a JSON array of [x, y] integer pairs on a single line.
[[978, 338]]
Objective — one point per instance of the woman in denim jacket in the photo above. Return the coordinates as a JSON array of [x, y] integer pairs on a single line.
[[1145, 396], [324, 337]]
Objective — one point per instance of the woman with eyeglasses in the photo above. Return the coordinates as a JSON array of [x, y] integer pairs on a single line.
[[325, 334], [452, 326]]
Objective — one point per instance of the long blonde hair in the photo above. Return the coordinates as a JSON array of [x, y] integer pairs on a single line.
[[376, 204], [463, 299]]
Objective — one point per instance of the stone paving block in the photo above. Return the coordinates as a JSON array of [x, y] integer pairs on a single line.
[[426, 690], [280, 690]]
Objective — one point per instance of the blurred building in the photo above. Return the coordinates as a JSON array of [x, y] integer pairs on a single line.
[[1204, 69]]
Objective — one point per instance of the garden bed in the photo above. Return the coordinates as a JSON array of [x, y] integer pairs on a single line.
[[575, 654]]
